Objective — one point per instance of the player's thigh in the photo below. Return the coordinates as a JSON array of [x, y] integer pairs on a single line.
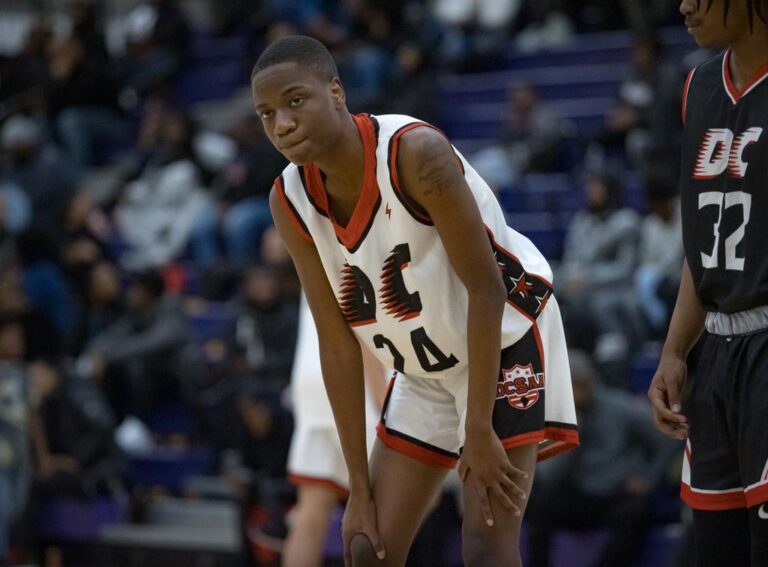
[[317, 500], [403, 490], [502, 539]]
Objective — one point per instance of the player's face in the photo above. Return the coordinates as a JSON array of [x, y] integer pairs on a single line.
[[708, 27], [299, 112]]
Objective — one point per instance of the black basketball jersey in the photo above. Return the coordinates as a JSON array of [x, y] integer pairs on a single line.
[[724, 186]]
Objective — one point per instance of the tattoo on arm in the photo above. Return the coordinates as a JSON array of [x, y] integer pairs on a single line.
[[435, 166]]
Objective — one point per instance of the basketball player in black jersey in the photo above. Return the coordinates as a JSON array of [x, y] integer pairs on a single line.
[[722, 304]]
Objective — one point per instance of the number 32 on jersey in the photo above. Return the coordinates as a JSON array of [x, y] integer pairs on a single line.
[[721, 151]]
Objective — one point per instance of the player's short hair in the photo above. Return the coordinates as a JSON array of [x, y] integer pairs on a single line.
[[753, 7], [302, 50]]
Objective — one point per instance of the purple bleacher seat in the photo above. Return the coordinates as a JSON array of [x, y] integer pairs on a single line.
[[216, 321], [68, 519], [168, 467], [211, 82]]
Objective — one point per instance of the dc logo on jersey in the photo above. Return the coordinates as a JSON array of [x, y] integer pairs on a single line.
[[719, 151], [521, 386]]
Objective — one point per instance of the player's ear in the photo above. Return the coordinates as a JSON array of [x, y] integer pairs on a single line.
[[337, 93]]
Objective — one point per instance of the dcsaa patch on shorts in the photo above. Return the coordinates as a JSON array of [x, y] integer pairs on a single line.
[[521, 386]]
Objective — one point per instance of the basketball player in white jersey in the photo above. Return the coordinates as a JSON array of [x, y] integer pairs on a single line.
[[315, 462], [400, 245]]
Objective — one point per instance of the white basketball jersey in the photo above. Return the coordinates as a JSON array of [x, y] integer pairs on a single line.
[[389, 269]]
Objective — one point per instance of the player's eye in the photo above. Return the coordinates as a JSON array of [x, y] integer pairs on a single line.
[[297, 101], [264, 114]]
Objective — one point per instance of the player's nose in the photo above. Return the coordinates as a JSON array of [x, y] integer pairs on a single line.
[[285, 123]]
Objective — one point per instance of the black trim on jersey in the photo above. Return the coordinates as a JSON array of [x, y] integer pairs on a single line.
[[401, 197], [367, 229], [526, 292], [375, 124], [295, 211], [420, 443], [312, 201]]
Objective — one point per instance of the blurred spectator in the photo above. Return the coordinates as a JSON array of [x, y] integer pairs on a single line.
[[156, 213], [101, 304], [473, 28], [531, 140], [599, 261], [600, 253], [15, 215], [82, 100], [87, 27], [44, 282], [49, 179], [42, 338], [265, 331], [157, 36], [412, 85], [645, 118], [661, 253], [266, 427], [609, 481], [242, 213], [141, 359], [25, 74], [14, 416], [76, 452], [81, 239]]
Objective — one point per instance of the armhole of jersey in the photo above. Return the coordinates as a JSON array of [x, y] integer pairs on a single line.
[[394, 141], [688, 80], [291, 212]]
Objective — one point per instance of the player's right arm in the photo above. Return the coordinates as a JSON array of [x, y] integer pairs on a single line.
[[684, 330], [342, 365]]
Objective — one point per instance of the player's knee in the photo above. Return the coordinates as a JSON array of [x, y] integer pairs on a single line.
[[362, 552]]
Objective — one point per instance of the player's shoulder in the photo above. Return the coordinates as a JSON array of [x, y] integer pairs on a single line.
[[392, 124], [708, 72]]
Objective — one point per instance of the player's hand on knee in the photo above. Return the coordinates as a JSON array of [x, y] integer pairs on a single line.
[[360, 519], [485, 466], [664, 395]]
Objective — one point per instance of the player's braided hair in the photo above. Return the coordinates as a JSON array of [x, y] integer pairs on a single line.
[[302, 50], [753, 7]]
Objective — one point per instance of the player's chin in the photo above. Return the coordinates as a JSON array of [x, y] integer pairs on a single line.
[[300, 155]]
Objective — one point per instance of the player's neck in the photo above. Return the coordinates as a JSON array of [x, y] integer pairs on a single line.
[[749, 53], [343, 163]]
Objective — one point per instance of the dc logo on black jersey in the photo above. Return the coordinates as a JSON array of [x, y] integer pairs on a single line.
[[521, 386], [719, 151]]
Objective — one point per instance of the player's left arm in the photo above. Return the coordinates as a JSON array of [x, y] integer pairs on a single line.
[[430, 176]]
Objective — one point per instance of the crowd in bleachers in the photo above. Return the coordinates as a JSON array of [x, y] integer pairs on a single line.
[[148, 311]]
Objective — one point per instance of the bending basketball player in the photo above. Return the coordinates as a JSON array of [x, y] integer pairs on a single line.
[[401, 245]]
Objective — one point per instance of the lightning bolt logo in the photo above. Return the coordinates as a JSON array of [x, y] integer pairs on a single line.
[[388, 212]]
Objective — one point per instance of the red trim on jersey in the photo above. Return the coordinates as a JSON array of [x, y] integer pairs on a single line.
[[290, 212], [685, 92], [298, 480], [757, 495], [712, 500], [737, 94], [363, 213], [394, 144], [564, 440], [417, 452]]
